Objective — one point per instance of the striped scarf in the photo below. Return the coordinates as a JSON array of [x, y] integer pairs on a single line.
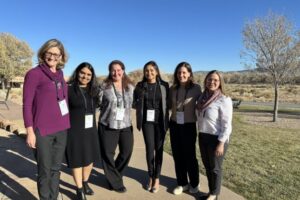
[[207, 98]]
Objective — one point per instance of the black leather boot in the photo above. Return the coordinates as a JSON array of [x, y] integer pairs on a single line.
[[80, 194], [86, 188]]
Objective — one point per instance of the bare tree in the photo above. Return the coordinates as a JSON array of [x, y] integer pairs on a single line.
[[272, 46], [15, 57]]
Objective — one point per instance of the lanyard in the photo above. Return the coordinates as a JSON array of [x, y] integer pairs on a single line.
[[118, 99], [58, 84], [85, 101], [153, 101], [186, 92]]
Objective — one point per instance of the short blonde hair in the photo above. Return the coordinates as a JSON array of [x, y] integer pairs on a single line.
[[49, 44]]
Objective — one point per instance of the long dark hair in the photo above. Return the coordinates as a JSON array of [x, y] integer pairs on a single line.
[[155, 66], [190, 82], [92, 85], [125, 79]]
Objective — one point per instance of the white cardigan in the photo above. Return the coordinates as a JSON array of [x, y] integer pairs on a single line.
[[216, 119]]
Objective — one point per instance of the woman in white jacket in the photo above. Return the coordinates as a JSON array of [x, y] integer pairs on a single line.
[[214, 125]]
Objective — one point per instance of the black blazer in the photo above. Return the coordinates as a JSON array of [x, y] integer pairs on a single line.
[[138, 103]]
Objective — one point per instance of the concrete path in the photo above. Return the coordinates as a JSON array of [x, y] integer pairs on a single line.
[[18, 174]]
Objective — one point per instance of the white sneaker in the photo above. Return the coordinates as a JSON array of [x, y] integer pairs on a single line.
[[194, 190], [179, 189]]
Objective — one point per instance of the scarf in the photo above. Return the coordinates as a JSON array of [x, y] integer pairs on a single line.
[[207, 98], [57, 77]]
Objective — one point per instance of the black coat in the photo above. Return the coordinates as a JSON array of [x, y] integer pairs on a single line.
[[138, 103]]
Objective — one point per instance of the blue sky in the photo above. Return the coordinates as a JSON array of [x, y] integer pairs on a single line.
[[205, 33]]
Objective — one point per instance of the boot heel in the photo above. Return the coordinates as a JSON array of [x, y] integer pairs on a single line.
[[86, 188], [80, 194]]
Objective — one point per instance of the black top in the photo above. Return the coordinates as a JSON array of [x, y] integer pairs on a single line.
[[152, 101], [139, 103]]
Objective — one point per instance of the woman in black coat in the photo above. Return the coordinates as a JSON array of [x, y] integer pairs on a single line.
[[150, 102]]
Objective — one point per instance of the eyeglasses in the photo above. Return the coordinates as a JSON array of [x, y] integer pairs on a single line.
[[212, 80], [55, 55]]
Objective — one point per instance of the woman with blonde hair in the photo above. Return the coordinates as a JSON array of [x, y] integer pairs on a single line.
[[46, 115], [214, 126]]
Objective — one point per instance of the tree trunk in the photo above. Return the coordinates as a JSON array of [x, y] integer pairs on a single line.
[[1, 83], [275, 111]]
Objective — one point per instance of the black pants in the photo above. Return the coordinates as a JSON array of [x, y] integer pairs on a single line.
[[154, 137], [49, 154], [212, 163], [110, 139], [183, 142]]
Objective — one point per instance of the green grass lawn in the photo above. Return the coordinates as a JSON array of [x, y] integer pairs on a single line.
[[261, 162]]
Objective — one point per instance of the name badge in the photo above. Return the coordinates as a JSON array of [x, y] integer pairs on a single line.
[[150, 115], [120, 114], [88, 121], [180, 117], [63, 107]]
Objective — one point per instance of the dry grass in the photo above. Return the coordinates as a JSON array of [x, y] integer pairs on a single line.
[[264, 92], [15, 95], [248, 92]]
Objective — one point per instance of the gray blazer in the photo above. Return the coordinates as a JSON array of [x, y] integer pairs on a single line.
[[138, 103]]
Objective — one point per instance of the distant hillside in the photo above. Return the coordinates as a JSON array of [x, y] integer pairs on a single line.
[[252, 76], [228, 72]]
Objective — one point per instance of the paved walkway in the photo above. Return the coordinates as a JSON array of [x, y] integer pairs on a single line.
[[18, 172]]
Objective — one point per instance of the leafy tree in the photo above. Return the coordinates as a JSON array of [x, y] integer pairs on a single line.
[[273, 47], [15, 57]]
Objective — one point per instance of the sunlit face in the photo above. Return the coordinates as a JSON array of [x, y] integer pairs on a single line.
[[213, 82], [183, 75], [116, 72], [84, 76], [150, 73], [52, 57]]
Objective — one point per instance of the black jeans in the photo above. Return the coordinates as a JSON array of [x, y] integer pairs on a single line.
[[154, 138], [212, 163], [183, 142], [110, 139], [49, 154]]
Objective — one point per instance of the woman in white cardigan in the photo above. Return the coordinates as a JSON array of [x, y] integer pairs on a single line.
[[214, 125]]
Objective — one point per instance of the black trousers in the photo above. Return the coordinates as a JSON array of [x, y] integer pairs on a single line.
[[212, 163], [110, 139], [49, 154], [154, 137], [183, 142]]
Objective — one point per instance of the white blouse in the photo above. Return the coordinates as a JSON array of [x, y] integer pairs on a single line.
[[216, 119]]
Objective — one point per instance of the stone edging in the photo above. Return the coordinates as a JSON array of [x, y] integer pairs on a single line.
[[10, 127]]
